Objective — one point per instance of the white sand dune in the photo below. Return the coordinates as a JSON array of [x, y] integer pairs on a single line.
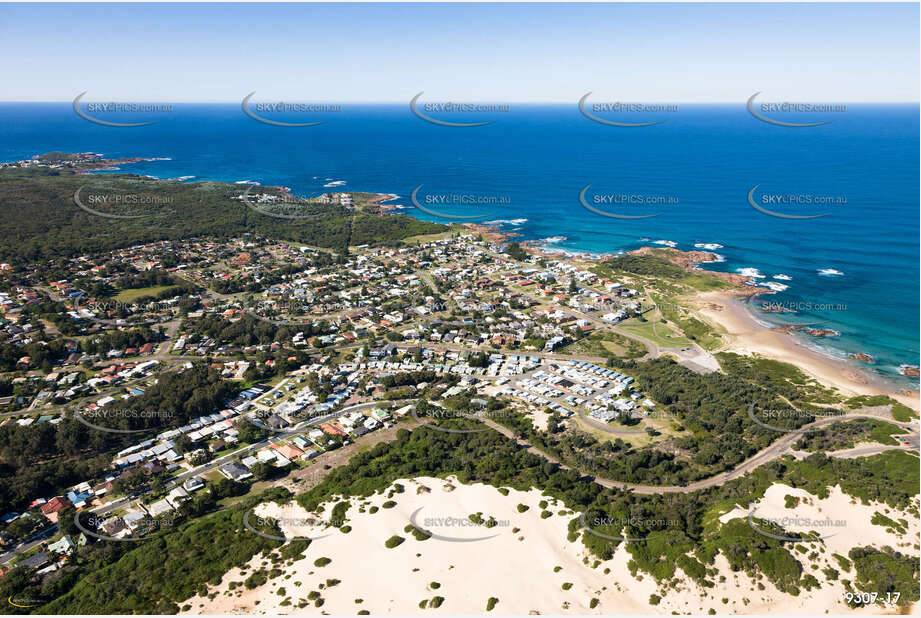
[[841, 520], [517, 563]]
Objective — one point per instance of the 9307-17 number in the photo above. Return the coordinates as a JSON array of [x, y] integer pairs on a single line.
[[869, 598]]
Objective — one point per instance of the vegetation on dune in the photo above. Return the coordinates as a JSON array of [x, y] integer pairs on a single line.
[[151, 577], [885, 572], [680, 530], [646, 265], [393, 541], [713, 409], [846, 434]]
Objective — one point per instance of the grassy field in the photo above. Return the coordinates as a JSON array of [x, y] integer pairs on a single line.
[[706, 282], [128, 296], [637, 440], [606, 344], [636, 434], [424, 238], [679, 315], [660, 334], [900, 411]]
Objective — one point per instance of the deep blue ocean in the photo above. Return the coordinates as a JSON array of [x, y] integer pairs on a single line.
[[704, 159]]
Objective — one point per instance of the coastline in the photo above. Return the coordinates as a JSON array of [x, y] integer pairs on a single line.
[[748, 336], [745, 329]]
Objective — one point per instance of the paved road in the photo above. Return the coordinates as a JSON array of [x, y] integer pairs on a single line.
[[211, 465], [21, 549], [427, 279], [775, 450]]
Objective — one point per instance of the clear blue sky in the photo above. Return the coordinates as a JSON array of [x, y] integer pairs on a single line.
[[472, 52]]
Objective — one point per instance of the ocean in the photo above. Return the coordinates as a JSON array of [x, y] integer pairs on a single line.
[[855, 270]]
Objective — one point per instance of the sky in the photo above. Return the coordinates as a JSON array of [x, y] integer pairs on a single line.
[[541, 53]]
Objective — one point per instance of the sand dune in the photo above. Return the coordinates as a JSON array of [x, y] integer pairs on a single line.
[[515, 561]]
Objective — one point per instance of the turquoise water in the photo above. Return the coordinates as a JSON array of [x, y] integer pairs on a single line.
[[703, 160]]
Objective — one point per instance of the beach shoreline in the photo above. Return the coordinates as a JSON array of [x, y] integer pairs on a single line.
[[747, 336], [728, 312]]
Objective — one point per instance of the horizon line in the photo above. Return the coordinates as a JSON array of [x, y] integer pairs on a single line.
[[450, 100]]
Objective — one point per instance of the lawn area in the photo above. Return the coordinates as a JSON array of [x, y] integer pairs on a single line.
[[661, 334], [900, 411], [679, 315], [882, 432], [641, 438], [706, 282], [594, 345], [903, 413], [128, 296], [635, 435]]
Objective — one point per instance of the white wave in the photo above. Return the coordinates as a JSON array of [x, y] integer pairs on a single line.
[[815, 344], [508, 221], [750, 272], [783, 277], [553, 239], [247, 182], [667, 243], [709, 246], [716, 259], [162, 159], [181, 178], [773, 285], [830, 272], [335, 183]]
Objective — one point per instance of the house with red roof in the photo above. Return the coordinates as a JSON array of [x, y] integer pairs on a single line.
[[54, 506]]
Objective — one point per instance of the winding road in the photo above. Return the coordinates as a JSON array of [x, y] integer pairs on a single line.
[[778, 449]]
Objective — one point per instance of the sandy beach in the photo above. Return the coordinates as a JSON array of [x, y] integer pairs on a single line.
[[747, 336], [525, 561]]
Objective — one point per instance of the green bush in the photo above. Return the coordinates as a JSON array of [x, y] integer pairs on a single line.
[[393, 541]]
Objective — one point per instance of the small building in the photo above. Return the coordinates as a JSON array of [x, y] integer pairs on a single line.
[[235, 471], [64, 545], [115, 527], [35, 561]]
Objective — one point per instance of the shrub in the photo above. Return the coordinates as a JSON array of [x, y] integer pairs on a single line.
[[393, 541]]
